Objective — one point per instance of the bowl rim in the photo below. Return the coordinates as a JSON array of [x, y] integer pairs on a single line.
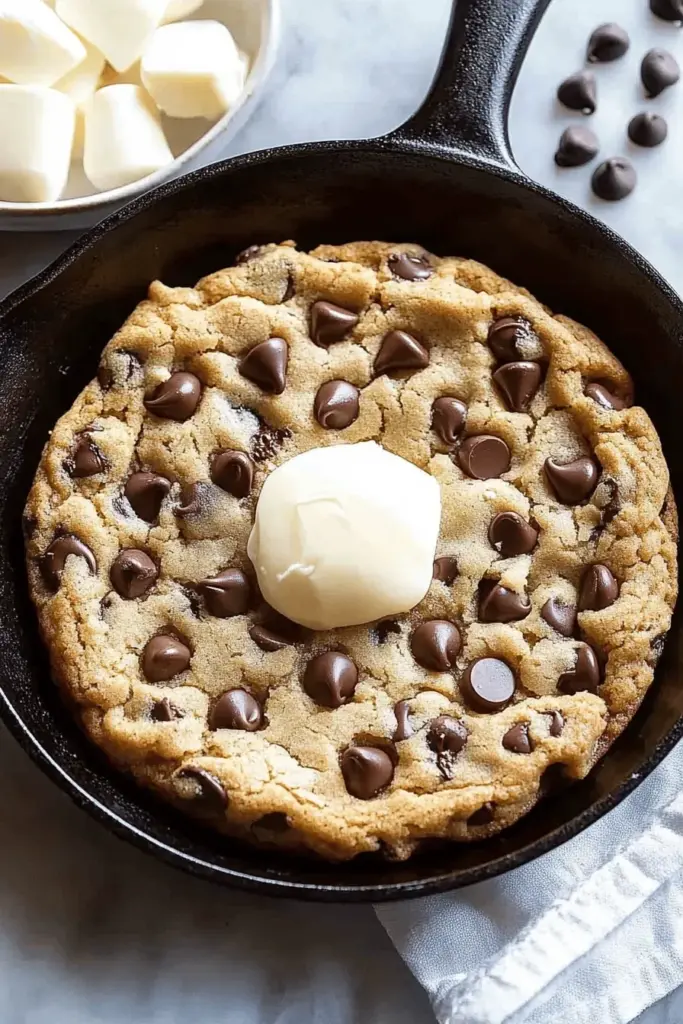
[[259, 72]]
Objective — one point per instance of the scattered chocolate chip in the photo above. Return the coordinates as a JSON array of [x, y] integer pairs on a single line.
[[607, 43], [447, 735], [164, 657], [507, 337], [233, 471], [435, 645], [268, 442], [290, 288], [517, 739], [408, 267], [164, 711], [584, 676], [105, 377], [330, 323], [225, 594], [211, 791], [337, 404], [400, 351], [499, 604], [236, 709], [614, 179], [382, 630], [330, 679], [266, 365], [145, 493], [192, 501], [366, 771], [598, 589], [572, 482], [484, 816], [267, 639], [133, 573], [577, 146], [54, 560], [487, 685], [556, 723], [247, 254], [448, 418], [445, 570], [404, 729], [579, 92], [511, 535], [668, 10], [175, 398], [86, 459], [561, 617], [603, 397], [519, 383], [647, 130], [484, 456], [658, 71]]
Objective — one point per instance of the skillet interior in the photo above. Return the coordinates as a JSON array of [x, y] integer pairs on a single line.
[[51, 335]]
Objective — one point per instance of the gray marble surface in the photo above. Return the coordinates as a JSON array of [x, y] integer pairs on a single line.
[[93, 932]]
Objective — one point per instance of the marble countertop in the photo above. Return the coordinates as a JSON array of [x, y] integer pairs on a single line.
[[92, 931]]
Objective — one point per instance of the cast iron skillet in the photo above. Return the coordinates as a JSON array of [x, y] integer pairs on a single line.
[[445, 179]]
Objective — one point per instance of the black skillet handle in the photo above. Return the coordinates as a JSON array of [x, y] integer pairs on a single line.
[[466, 109]]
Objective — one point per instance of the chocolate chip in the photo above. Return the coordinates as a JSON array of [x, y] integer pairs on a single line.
[[175, 398], [658, 71], [445, 570], [408, 267], [603, 397], [499, 604], [607, 43], [330, 323], [268, 639], [105, 377], [274, 632], [519, 383], [236, 709], [484, 456], [579, 92], [133, 573], [484, 816], [598, 589], [266, 365], [54, 560], [447, 735], [648, 130], [146, 492], [561, 617], [487, 685], [614, 179], [164, 711], [511, 535], [86, 459], [572, 482], [366, 771], [382, 630], [330, 679], [668, 10], [193, 499], [517, 739], [225, 594], [247, 254], [577, 146], [507, 337], [337, 404], [400, 351], [268, 442], [211, 791], [448, 418], [584, 676], [404, 729], [164, 657], [556, 723], [435, 645], [233, 472]]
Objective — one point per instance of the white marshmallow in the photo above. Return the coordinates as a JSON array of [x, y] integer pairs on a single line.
[[36, 48], [80, 84], [345, 535], [121, 29], [193, 69], [37, 128], [124, 140], [178, 9]]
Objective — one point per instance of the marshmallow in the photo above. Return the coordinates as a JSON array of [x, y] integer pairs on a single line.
[[37, 128], [36, 48], [193, 69], [124, 140], [121, 29], [80, 84], [178, 9], [345, 535]]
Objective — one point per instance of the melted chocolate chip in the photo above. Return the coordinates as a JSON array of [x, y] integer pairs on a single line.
[[409, 267], [598, 589], [175, 398], [487, 685], [383, 630], [133, 573], [667, 10], [658, 71], [164, 711], [447, 735], [274, 631], [556, 723], [435, 645], [53, 561], [193, 500], [404, 729], [267, 639], [484, 816], [445, 570], [400, 351], [337, 404], [511, 535], [448, 418], [579, 92], [330, 323], [484, 456], [233, 472], [614, 179], [366, 771], [519, 383], [499, 604], [145, 493], [165, 657], [603, 397], [268, 442], [86, 459], [577, 146], [648, 130], [572, 482], [266, 365], [559, 616], [211, 792], [225, 594], [507, 337], [517, 739], [607, 43], [584, 676], [236, 709], [330, 679]]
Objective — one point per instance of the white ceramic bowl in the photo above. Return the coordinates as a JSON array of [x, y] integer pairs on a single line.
[[255, 25]]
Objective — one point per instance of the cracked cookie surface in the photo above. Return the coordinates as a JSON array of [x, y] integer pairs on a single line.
[[554, 580]]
